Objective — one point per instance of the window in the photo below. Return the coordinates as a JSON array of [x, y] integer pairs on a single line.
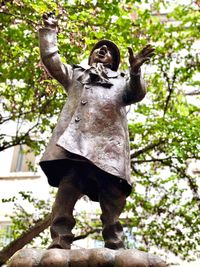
[[23, 159], [5, 234]]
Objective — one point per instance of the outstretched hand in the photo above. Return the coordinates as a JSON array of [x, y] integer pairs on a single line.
[[50, 20], [137, 61]]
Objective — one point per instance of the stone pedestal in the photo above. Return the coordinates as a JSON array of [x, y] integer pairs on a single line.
[[85, 258]]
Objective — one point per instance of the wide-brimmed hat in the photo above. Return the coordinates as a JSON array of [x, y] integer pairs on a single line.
[[114, 50]]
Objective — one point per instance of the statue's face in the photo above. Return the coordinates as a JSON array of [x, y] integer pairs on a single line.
[[102, 55]]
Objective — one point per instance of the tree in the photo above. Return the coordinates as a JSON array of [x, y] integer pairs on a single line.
[[163, 210]]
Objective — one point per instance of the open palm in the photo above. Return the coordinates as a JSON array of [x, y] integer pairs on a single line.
[[144, 55]]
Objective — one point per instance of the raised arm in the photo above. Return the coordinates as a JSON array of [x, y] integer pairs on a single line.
[[49, 51], [136, 89]]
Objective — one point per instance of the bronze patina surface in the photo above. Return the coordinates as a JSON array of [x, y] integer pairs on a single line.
[[89, 149], [85, 258]]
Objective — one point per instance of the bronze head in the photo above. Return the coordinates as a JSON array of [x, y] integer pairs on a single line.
[[106, 52]]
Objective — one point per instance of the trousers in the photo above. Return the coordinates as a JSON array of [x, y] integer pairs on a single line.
[[72, 186]]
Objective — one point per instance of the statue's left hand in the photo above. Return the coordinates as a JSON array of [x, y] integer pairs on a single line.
[[136, 61]]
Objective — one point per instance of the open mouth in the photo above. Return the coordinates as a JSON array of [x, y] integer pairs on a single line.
[[101, 53]]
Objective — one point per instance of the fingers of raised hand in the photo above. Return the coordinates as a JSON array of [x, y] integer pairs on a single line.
[[131, 55], [49, 14], [148, 46], [148, 50], [44, 16]]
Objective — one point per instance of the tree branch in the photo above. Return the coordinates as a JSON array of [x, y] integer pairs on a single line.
[[24, 239], [195, 92], [7, 252], [18, 140], [170, 86], [152, 160], [13, 117], [86, 234], [20, 17], [146, 148], [192, 184], [163, 160]]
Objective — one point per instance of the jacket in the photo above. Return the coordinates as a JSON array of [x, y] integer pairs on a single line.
[[92, 124]]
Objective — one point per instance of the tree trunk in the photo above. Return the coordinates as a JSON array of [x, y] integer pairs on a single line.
[[24, 239]]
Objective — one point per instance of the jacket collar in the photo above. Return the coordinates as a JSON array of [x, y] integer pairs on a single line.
[[110, 73]]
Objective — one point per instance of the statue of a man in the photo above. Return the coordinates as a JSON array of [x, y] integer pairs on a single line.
[[88, 153]]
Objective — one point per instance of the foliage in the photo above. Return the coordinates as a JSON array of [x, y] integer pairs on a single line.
[[27, 211], [163, 210]]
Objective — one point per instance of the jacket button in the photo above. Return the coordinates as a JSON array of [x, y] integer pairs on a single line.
[[77, 119], [83, 102]]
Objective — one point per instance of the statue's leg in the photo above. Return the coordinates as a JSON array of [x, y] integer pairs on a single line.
[[62, 221], [112, 201]]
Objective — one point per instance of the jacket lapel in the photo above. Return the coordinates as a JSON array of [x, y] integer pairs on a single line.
[[89, 75]]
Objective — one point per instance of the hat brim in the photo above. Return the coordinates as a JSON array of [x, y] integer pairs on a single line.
[[114, 49]]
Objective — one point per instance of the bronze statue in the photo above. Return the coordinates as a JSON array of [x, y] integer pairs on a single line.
[[88, 153]]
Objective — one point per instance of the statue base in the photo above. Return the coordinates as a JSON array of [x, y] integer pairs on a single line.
[[102, 257]]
